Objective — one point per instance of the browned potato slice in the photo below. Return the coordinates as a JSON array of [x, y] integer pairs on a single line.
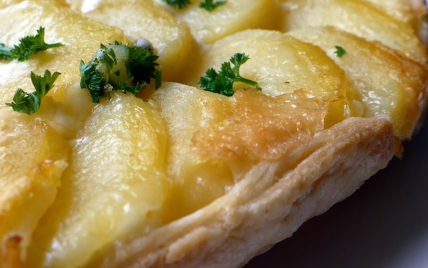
[[215, 140], [170, 38], [388, 82], [358, 18], [282, 64], [114, 185], [234, 16]]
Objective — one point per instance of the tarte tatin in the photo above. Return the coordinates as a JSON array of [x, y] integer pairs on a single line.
[[256, 116]]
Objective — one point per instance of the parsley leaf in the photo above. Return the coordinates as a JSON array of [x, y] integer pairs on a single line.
[[30, 45], [222, 82], [210, 5], [118, 67], [5, 52], [141, 64], [91, 79], [29, 103], [340, 52], [177, 3]]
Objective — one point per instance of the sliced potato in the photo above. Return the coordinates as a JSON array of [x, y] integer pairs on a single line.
[[81, 38], [114, 185], [214, 139], [398, 9], [195, 181], [358, 18], [170, 38], [32, 158], [234, 16], [282, 64], [388, 82]]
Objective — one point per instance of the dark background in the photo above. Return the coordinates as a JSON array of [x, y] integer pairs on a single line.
[[382, 225]]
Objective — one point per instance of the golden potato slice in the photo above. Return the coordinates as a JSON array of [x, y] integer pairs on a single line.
[[195, 181], [282, 64], [170, 38], [234, 16], [114, 185], [32, 158], [214, 139], [81, 37], [358, 18], [388, 82]]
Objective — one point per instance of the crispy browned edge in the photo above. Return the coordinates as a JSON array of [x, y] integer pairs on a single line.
[[266, 206]]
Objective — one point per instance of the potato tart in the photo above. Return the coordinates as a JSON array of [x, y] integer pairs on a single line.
[[315, 97]]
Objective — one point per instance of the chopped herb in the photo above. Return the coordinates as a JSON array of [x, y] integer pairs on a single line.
[[158, 83], [118, 67], [210, 5], [340, 52], [134, 89], [177, 3], [5, 52], [27, 47], [29, 103], [141, 64], [222, 82]]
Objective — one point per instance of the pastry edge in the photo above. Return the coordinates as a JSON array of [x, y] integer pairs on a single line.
[[262, 210]]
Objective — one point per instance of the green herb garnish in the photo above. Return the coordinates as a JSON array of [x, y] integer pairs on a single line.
[[177, 3], [222, 82], [27, 47], [29, 103], [340, 52], [5, 52], [118, 67], [210, 5]]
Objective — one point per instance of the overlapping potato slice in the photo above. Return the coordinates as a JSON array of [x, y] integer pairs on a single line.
[[81, 38], [215, 140], [114, 185], [398, 9], [170, 38], [32, 158], [355, 17], [195, 181], [234, 16], [388, 82], [282, 64], [34, 155]]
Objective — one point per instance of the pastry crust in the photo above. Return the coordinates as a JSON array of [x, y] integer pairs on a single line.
[[268, 205]]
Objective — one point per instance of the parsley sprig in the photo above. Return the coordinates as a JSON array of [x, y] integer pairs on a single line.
[[27, 47], [29, 103], [222, 82], [119, 67], [177, 3], [340, 51], [210, 5]]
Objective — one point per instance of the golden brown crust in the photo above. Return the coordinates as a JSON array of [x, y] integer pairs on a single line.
[[268, 205]]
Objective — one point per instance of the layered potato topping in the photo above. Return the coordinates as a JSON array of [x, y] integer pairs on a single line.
[[79, 178]]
